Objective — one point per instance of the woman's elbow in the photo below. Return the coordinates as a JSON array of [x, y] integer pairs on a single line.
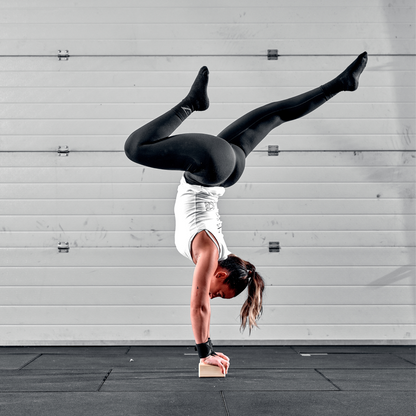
[[199, 309]]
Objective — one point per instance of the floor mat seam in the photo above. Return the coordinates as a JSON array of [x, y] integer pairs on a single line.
[[327, 379], [225, 403], [104, 380], [404, 359], [30, 361]]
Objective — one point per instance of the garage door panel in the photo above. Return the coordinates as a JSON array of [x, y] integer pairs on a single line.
[[220, 96], [273, 174], [184, 14], [258, 158], [160, 192], [221, 315], [229, 46], [254, 238], [128, 257], [6, 4], [367, 276], [301, 127], [159, 223], [276, 207], [311, 141], [338, 197], [179, 295], [222, 111], [182, 334]]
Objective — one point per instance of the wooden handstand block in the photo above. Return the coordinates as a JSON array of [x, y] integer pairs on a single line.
[[208, 370]]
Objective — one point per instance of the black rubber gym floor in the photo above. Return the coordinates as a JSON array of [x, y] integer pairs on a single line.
[[298, 381]]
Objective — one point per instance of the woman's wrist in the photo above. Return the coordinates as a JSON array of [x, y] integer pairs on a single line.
[[205, 349]]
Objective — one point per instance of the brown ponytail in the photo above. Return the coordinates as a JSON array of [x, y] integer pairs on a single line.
[[243, 274], [253, 307]]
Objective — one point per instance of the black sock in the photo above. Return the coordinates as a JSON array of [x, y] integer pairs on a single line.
[[348, 79], [197, 98]]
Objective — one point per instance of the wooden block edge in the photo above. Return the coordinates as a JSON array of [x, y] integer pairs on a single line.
[[209, 370]]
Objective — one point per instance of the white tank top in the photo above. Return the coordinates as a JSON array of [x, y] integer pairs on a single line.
[[196, 210]]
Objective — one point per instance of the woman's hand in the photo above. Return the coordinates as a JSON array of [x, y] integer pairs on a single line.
[[220, 360]]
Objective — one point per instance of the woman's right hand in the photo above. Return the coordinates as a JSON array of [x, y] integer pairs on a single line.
[[220, 360]]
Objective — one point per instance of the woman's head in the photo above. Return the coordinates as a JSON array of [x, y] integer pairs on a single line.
[[242, 274]]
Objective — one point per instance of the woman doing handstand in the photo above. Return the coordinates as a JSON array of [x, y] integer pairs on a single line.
[[211, 164]]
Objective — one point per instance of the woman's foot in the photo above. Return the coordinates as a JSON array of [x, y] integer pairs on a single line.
[[197, 97], [346, 80], [351, 75]]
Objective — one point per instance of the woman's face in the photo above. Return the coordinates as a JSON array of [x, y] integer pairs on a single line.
[[218, 288]]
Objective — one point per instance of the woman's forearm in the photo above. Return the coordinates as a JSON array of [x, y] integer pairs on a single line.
[[206, 262], [200, 318]]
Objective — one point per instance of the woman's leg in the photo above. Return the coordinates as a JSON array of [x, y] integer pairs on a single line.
[[208, 160], [248, 131]]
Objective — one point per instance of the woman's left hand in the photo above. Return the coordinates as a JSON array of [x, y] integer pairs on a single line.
[[223, 356], [220, 360]]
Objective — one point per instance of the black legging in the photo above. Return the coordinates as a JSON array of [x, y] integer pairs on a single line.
[[220, 160], [214, 160]]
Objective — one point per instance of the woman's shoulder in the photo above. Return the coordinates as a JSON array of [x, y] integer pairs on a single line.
[[202, 245]]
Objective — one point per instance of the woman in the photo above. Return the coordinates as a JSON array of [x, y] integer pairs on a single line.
[[211, 164]]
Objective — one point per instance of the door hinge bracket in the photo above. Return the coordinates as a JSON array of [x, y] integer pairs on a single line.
[[63, 247], [272, 54], [273, 150], [274, 247], [63, 151], [63, 55]]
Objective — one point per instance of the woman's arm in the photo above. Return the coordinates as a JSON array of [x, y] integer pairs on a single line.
[[206, 258], [205, 255]]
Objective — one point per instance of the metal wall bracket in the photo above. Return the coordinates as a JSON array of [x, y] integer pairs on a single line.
[[63, 55], [63, 151], [273, 150], [272, 54], [274, 247], [63, 247]]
